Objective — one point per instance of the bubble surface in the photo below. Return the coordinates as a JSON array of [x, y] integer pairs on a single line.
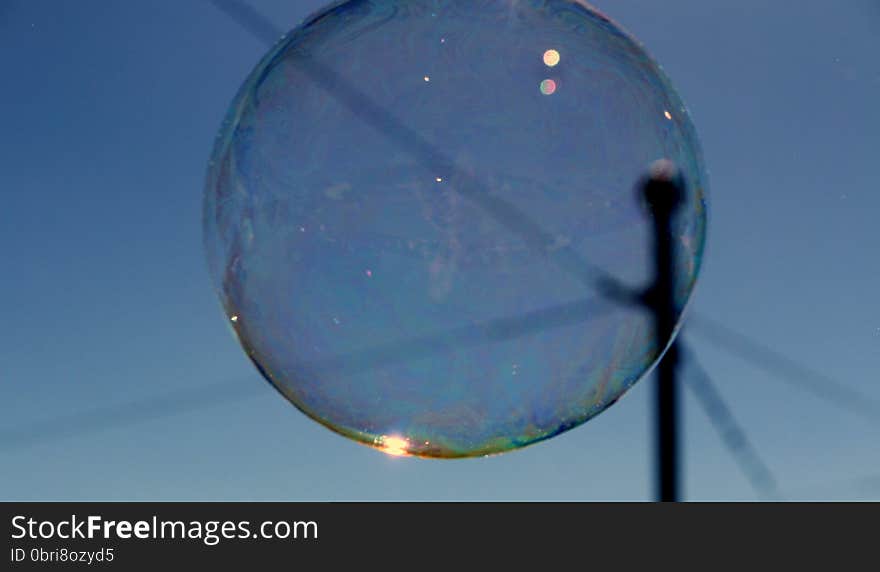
[[403, 227]]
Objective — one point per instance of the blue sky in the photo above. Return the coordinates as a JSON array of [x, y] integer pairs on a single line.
[[110, 109]]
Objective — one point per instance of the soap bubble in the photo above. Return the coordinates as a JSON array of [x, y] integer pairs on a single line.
[[408, 204]]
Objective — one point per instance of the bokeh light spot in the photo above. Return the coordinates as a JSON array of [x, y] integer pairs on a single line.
[[551, 58], [548, 87]]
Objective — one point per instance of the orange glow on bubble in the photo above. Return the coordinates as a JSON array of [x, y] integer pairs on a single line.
[[394, 446]]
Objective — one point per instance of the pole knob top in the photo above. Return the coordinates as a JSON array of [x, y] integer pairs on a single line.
[[663, 189]]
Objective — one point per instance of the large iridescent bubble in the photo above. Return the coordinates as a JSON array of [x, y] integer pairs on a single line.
[[410, 203]]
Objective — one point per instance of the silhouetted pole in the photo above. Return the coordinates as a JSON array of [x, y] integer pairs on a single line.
[[663, 192]]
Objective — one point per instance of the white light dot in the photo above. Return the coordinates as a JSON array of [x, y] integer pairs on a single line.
[[551, 58]]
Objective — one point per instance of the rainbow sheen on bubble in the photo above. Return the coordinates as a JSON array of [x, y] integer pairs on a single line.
[[393, 205], [548, 87]]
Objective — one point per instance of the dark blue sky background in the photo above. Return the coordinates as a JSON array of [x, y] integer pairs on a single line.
[[110, 110]]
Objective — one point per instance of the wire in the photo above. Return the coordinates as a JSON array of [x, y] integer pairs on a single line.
[[248, 18], [490, 331], [733, 436], [435, 160], [786, 369], [131, 413]]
